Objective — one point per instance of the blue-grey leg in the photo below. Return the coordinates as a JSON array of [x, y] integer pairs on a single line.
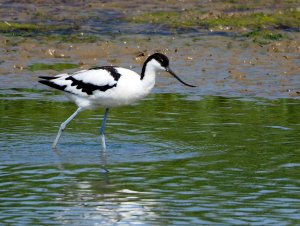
[[102, 129], [63, 126]]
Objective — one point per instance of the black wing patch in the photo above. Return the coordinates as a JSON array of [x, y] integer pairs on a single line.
[[53, 85], [111, 69], [88, 87]]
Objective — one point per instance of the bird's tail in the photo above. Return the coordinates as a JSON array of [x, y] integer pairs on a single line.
[[48, 77], [47, 80]]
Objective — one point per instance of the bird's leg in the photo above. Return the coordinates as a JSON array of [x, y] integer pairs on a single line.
[[63, 126], [103, 128]]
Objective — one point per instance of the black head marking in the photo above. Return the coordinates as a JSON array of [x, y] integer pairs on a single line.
[[164, 62], [160, 58]]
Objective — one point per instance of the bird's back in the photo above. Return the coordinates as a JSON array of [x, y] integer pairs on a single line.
[[96, 86], [84, 82]]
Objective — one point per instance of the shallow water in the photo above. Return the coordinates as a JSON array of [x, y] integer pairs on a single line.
[[171, 159], [226, 152]]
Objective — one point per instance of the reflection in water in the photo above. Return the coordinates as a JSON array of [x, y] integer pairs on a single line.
[[63, 160], [169, 160], [98, 200], [107, 208]]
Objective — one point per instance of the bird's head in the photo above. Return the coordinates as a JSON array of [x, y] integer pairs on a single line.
[[161, 62]]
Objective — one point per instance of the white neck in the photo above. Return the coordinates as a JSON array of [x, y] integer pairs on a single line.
[[149, 73]]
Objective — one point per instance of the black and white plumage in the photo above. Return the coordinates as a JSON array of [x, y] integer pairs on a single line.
[[108, 86]]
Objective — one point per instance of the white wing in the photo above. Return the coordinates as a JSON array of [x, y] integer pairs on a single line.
[[85, 82], [99, 77]]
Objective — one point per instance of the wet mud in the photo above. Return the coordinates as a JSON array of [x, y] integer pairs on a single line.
[[219, 62]]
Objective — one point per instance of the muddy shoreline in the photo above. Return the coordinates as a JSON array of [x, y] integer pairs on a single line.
[[226, 63]]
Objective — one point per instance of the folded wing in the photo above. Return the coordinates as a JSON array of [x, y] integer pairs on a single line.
[[85, 82]]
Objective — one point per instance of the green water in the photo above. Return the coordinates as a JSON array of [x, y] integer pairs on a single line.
[[172, 159]]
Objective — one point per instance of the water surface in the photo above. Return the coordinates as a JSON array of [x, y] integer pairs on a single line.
[[226, 152], [171, 159]]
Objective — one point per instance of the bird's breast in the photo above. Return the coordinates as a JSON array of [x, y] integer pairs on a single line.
[[128, 90]]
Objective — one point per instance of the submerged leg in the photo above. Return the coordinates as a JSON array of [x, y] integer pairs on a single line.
[[103, 128], [63, 126]]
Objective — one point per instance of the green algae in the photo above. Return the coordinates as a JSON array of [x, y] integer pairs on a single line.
[[55, 67], [261, 27], [264, 36], [12, 26], [228, 21], [277, 20], [172, 19], [75, 38], [20, 29], [257, 35]]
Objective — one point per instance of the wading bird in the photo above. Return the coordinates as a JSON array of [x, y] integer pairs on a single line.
[[108, 87]]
